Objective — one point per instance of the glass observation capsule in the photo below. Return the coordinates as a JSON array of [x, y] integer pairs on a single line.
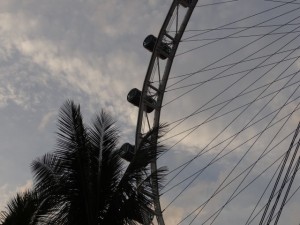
[[134, 97], [164, 48], [127, 152]]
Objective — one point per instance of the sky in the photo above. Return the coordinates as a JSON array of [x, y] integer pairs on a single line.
[[91, 51]]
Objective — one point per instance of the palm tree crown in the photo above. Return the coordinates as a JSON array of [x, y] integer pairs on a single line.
[[85, 181]]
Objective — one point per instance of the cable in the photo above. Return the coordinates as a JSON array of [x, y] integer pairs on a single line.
[[197, 126], [273, 138], [222, 106], [193, 49], [233, 135], [213, 161], [237, 27], [242, 173], [246, 187], [265, 190], [241, 36], [287, 192], [247, 17], [218, 104], [231, 74], [274, 195], [281, 156], [239, 160], [210, 141], [222, 58], [284, 182], [295, 3], [184, 165], [239, 107], [216, 3], [279, 175], [234, 64], [218, 67]]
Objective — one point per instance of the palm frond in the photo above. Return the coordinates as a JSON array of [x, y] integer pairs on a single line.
[[46, 172], [21, 209], [106, 163], [134, 196], [147, 152], [158, 176], [84, 181], [64, 176]]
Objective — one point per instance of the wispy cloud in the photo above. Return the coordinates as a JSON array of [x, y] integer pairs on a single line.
[[7, 192]]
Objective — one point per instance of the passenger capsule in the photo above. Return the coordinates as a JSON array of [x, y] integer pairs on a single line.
[[164, 48], [149, 42], [134, 97], [127, 152]]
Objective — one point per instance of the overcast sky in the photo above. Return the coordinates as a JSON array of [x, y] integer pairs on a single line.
[[91, 51]]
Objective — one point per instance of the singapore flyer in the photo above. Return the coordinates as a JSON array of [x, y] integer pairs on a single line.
[[172, 112], [227, 88]]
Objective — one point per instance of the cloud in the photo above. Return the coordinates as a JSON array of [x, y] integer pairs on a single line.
[[6, 192], [45, 120], [99, 73], [92, 52], [9, 93], [174, 215]]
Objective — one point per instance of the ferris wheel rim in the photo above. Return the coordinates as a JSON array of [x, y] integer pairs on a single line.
[[191, 4], [144, 106]]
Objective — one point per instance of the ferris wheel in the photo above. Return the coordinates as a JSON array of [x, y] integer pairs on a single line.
[[230, 96]]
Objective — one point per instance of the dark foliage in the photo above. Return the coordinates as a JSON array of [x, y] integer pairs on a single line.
[[21, 209], [85, 182]]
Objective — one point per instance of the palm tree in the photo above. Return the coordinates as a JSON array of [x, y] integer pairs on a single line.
[[21, 209], [85, 181]]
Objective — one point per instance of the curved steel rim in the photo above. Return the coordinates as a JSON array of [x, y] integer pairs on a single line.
[[175, 37]]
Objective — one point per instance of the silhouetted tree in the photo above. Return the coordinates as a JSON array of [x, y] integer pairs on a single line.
[[86, 182]]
